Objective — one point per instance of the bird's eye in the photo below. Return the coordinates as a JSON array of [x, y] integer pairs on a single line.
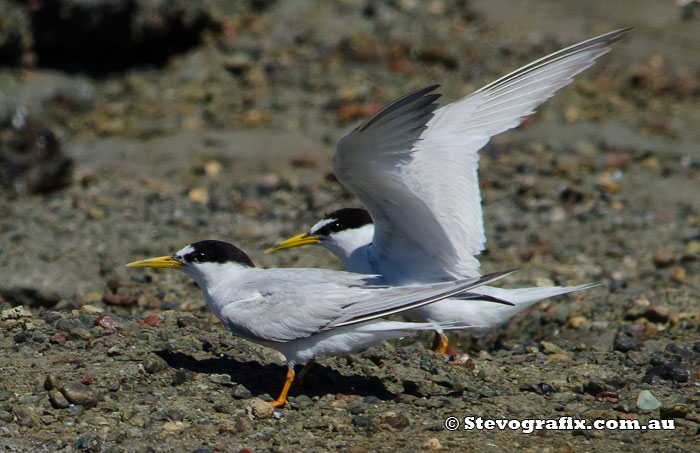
[[198, 257]]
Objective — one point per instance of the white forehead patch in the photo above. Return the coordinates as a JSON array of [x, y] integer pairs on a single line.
[[320, 224], [187, 249]]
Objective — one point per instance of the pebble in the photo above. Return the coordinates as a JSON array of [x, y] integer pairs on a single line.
[[24, 417], [362, 423], [173, 427], [199, 195], [664, 258], [625, 343], [657, 313], [155, 364], [58, 338], [79, 333], [106, 323], [79, 394], [260, 409], [646, 401], [243, 423], [52, 381], [464, 361], [241, 392], [578, 322], [679, 274], [153, 320], [396, 421], [301, 402], [223, 379], [552, 348], [432, 444], [91, 309], [58, 401]]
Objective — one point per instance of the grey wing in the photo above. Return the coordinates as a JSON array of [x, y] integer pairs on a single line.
[[415, 168], [291, 311]]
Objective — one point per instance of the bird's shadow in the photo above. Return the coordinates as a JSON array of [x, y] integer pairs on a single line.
[[262, 379]]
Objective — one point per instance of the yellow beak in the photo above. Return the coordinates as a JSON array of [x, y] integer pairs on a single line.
[[161, 261], [299, 240]]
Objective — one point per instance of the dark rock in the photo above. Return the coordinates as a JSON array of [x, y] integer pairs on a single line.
[[624, 342], [301, 402], [58, 401], [155, 364], [241, 392], [673, 371], [33, 163], [79, 394], [174, 415], [362, 423], [21, 337], [180, 377]]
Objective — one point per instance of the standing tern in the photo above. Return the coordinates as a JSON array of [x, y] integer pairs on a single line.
[[414, 167], [304, 313]]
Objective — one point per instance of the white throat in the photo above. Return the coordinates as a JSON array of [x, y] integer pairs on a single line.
[[350, 246]]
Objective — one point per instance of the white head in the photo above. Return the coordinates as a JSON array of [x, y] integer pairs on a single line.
[[341, 232], [206, 261]]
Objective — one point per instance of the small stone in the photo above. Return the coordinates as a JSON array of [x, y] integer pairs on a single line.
[[432, 444], [241, 392], [188, 321], [173, 427], [301, 402], [58, 338], [24, 417], [657, 313], [464, 361], [260, 409], [180, 377], [244, 423], [578, 322], [678, 274], [79, 333], [153, 320], [223, 379], [674, 411], [551, 348], [106, 323], [646, 401], [360, 422], [199, 195], [79, 394], [154, 364], [119, 299], [396, 421], [52, 381], [625, 343], [91, 309], [226, 427], [664, 258], [58, 401]]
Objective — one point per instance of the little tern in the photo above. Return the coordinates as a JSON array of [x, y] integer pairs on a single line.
[[414, 167], [304, 314]]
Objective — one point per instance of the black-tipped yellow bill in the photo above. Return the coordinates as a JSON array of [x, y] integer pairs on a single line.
[[161, 261], [299, 240]]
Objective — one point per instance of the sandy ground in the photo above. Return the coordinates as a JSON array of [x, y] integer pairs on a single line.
[[233, 139]]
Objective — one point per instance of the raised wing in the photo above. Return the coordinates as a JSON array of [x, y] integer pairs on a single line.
[[289, 310], [415, 168]]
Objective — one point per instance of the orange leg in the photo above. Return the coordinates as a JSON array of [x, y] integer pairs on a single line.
[[440, 343], [282, 400]]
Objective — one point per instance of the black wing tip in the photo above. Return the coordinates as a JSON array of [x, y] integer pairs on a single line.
[[420, 93], [614, 36]]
